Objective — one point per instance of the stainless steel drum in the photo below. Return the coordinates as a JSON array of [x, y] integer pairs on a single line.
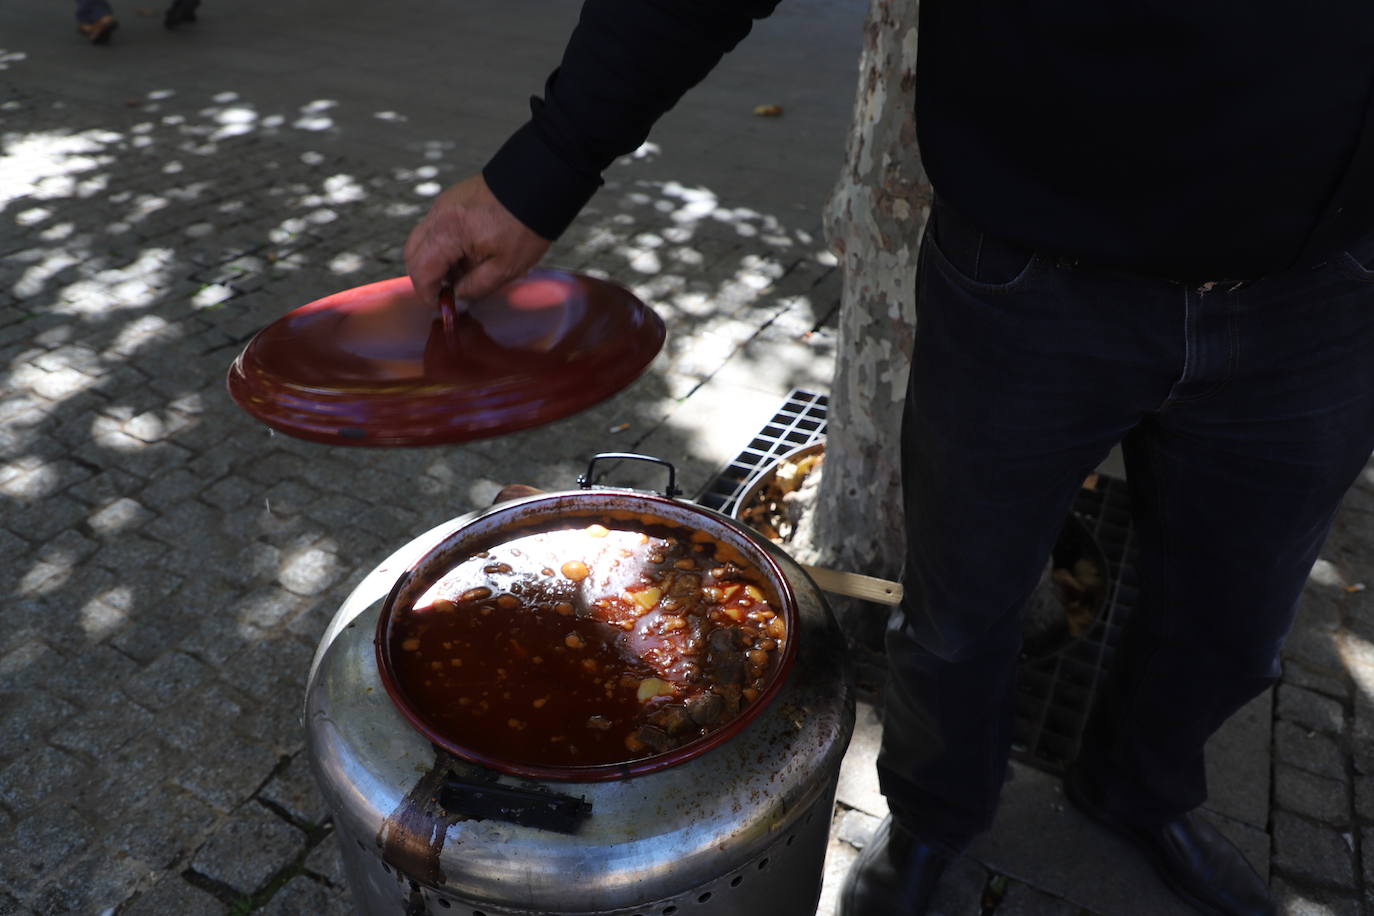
[[739, 828]]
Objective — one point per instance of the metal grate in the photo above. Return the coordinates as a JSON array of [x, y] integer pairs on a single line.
[[1053, 693], [800, 421]]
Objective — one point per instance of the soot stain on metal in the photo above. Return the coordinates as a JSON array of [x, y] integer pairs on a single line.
[[412, 836]]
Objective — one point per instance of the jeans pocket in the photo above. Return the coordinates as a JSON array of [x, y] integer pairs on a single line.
[[973, 259]]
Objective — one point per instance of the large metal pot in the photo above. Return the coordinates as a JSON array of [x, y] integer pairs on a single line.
[[738, 825]]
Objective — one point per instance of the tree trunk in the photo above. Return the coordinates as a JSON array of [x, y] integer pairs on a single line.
[[873, 221]]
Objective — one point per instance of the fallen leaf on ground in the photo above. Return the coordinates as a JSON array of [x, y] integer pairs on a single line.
[[768, 111]]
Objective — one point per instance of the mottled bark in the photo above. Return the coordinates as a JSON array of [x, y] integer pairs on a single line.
[[873, 221]]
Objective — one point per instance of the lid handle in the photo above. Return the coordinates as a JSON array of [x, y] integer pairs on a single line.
[[585, 480]]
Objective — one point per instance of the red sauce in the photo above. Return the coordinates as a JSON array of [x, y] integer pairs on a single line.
[[585, 647]]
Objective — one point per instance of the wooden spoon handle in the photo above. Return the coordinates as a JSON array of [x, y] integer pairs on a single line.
[[853, 585]]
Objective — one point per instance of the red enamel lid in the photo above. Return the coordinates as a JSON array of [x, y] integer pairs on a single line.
[[376, 366]]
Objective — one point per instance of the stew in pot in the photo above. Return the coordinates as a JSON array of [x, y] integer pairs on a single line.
[[589, 646]]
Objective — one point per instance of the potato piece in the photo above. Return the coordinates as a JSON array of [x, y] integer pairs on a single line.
[[647, 597], [652, 687]]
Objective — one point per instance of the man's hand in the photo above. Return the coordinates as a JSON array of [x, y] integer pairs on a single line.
[[470, 240]]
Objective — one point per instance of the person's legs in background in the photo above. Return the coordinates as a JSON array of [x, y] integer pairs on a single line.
[[180, 12], [95, 19]]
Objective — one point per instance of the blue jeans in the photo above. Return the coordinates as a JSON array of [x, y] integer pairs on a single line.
[[1245, 412], [88, 11]]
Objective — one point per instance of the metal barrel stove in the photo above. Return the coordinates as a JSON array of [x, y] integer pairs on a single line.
[[741, 828]]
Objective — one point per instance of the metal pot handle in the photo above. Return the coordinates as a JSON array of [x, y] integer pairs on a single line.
[[585, 480]]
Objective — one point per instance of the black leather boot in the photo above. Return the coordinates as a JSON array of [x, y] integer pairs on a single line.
[[1190, 855], [179, 12], [895, 875]]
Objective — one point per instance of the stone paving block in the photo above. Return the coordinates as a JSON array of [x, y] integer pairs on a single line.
[[26, 720], [161, 829], [174, 896], [326, 861], [1306, 901], [336, 510], [137, 770], [104, 728], [110, 483], [1316, 797], [1364, 802], [1311, 710], [278, 724], [309, 572], [248, 848], [1362, 739], [199, 719], [854, 827], [191, 520], [47, 519], [215, 463], [266, 608], [214, 639], [1328, 684], [960, 892], [68, 547], [122, 553], [290, 497], [294, 790], [34, 777], [96, 884], [1024, 900], [1313, 650], [858, 785], [117, 518], [1367, 855], [256, 564], [262, 668], [303, 894], [42, 844], [230, 493], [147, 637], [262, 522], [1311, 852], [27, 664], [839, 858], [226, 773], [97, 670], [166, 680], [271, 468]]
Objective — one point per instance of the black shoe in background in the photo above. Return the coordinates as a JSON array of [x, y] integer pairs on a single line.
[[895, 875], [180, 11], [1190, 855]]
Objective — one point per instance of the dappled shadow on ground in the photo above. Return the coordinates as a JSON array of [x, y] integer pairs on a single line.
[[169, 563]]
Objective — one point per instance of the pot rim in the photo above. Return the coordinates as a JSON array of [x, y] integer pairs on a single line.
[[443, 558]]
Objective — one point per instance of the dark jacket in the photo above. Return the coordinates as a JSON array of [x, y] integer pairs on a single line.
[[1201, 140]]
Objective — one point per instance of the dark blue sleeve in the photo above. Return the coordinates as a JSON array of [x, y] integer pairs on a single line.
[[627, 62]]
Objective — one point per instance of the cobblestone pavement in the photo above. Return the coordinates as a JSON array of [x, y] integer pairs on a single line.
[[170, 565]]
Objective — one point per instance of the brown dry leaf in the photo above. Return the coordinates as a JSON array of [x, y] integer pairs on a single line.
[[768, 111]]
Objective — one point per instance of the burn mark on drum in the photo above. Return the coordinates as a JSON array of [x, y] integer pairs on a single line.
[[412, 836]]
